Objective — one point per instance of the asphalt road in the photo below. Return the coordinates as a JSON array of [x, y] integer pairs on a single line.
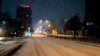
[[48, 46]]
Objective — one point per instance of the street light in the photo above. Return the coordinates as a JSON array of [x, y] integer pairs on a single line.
[[47, 21], [40, 21], [49, 25], [4, 22]]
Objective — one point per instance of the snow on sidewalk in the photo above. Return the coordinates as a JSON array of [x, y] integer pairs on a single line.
[[27, 50]]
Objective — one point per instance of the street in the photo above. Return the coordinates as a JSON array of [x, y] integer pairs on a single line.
[[49, 28], [49, 46]]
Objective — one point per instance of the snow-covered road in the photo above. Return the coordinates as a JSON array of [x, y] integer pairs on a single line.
[[48, 46]]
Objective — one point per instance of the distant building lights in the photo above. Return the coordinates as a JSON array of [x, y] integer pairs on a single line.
[[26, 6], [49, 25], [27, 34], [89, 23], [46, 21], [3, 22], [29, 29], [22, 26], [15, 33], [65, 20], [40, 21]]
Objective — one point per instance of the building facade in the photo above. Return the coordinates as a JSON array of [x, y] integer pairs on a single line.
[[23, 15], [92, 24]]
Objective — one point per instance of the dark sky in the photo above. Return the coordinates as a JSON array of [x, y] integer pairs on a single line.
[[48, 9]]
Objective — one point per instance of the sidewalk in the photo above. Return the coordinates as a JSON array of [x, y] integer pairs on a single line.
[[86, 43], [81, 39], [8, 46]]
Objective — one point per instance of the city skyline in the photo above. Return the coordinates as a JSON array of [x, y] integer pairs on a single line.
[[51, 9]]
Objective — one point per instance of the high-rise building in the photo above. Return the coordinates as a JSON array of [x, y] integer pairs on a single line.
[[24, 14], [91, 10], [92, 17]]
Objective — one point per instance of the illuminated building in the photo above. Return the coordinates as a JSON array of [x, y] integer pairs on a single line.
[[24, 14], [91, 17]]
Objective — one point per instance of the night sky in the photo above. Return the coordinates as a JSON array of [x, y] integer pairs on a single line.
[[48, 9]]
